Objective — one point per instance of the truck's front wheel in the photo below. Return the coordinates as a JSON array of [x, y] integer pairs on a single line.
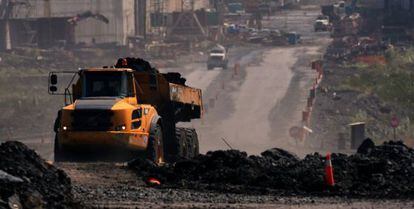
[[155, 151], [60, 154]]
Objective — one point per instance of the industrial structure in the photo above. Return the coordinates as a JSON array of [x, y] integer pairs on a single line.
[[50, 23], [53, 22]]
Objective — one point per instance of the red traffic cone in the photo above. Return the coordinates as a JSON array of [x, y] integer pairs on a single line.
[[329, 178], [153, 181]]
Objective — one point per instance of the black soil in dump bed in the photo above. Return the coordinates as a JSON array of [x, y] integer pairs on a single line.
[[375, 171], [27, 181]]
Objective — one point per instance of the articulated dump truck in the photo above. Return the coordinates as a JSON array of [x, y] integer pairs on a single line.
[[130, 108]]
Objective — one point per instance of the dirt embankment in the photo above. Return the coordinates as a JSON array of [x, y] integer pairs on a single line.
[[27, 181], [347, 95], [214, 179], [375, 171]]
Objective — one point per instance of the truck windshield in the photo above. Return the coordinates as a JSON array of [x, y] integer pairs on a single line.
[[104, 84]]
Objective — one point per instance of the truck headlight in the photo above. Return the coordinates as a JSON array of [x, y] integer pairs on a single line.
[[120, 128]]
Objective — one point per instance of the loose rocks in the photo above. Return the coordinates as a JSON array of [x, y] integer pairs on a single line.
[[376, 171], [27, 181]]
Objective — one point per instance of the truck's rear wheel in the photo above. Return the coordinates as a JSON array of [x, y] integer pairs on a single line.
[[192, 143], [155, 150], [186, 143], [180, 143]]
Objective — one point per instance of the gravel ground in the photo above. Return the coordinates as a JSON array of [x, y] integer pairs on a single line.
[[109, 185]]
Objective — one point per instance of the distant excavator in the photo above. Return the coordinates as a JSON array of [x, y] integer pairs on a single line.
[[129, 107], [85, 15]]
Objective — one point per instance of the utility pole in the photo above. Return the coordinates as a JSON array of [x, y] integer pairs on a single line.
[[6, 8]]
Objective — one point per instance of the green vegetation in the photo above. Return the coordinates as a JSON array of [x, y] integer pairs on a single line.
[[393, 82]]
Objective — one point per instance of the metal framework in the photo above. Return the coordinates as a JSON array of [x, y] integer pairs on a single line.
[[187, 23]]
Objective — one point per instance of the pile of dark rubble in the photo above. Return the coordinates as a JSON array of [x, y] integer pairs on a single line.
[[375, 171], [27, 181]]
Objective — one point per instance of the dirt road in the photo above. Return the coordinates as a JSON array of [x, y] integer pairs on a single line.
[[240, 114], [253, 109]]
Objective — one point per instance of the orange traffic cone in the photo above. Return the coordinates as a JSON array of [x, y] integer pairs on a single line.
[[329, 178], [151, 181]]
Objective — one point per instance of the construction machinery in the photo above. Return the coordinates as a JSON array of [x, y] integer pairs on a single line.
[[129, 107]]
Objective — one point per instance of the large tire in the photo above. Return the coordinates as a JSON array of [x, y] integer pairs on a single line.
[[155, 148], [192, 143], [196, 144], [56, 125], [60, 154], [187, 143], [180, 144]]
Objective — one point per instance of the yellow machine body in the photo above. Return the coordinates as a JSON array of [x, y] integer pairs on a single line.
[[124, 122]]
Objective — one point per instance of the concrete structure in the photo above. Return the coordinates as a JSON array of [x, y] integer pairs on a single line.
[[46, 23], [120, 14]]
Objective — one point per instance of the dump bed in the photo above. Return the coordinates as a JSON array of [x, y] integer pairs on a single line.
[[169, 94]]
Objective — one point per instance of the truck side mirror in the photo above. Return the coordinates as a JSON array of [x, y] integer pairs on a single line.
[[53, 79], [52, 88]]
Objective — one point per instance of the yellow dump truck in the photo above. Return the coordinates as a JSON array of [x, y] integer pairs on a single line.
[[129, 107]]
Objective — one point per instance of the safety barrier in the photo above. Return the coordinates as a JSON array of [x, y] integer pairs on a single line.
[[307, 113]]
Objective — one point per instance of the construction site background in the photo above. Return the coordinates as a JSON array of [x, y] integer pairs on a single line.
[[367, 72], [57, 35], [42, 36]]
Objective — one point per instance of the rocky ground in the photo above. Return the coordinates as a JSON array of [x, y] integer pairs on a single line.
[[375, 177], [28, 181], [346, 96], [375, 171], [232, 179]]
